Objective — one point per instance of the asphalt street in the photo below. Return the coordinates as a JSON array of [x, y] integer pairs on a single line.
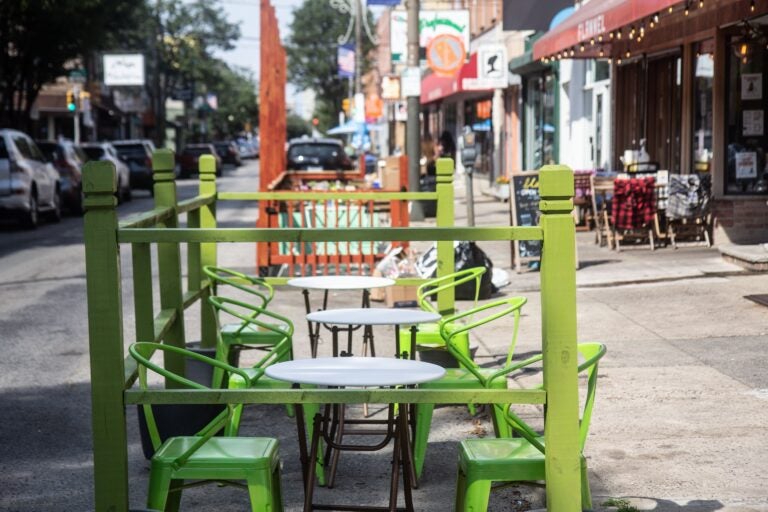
[[680, 422]]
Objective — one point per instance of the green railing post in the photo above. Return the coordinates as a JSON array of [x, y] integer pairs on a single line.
[[446, 299], [169, 258], [105, 338], [207, 251], [558, 326]]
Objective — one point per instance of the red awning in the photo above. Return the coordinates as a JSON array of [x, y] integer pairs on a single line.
[[594, 19], [435, 87]]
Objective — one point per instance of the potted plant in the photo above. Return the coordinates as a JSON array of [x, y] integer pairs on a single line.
[[501, 188]]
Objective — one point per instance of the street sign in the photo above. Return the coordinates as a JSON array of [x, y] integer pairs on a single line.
[[446, 54], [410, 82], [77, 75], [492, 66], [182, 95], [390, 87], [124, 69]]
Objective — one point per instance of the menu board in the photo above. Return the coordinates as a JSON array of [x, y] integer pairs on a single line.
[[525, 212]]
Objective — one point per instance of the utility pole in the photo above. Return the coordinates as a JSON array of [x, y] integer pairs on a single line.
[[159, 106], [412, 128], [76, 126], [358, 47]]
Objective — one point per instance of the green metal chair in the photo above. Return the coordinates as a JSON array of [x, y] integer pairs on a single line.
[[521, 459], [203, 457], [469, 375], [243, 334], [253, 378], [428, 337]]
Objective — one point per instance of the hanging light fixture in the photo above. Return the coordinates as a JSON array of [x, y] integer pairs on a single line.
[[600, 38], [687, 8], [701, 4], [747, 44], [602, 53], [656, 18], [751, 5]]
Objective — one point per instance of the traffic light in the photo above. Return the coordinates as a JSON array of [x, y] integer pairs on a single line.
[[345, 105], [71, 105]]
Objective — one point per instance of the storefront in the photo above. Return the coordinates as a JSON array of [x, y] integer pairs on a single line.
[[449, 103], [690, 86]]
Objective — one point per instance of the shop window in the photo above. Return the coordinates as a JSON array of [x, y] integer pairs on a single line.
[[704, 70], [540, 121], [746, 171]]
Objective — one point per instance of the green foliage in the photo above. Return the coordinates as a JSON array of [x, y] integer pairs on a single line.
[[39, 37], [238, 102], [312, 51], [297, 126], [621, 504]]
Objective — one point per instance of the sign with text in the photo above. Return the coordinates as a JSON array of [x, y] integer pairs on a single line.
[[524, 203], [124, 69], [431, 25]]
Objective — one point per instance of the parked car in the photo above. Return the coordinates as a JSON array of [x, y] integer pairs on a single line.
[[311, 154], [68, 159], [189, 157], [247, 149], [107, 152], [29, 184], [228, 152], [137, 154]]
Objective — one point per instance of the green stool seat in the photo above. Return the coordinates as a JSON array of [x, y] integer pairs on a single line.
[[522, 459], [203, 457], [428, 338]]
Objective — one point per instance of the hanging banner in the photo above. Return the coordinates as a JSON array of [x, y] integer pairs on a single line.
[[346, 61]]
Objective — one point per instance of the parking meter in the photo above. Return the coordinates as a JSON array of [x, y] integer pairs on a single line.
[[469, 152]]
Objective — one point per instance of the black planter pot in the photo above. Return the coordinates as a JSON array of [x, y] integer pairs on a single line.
[[175, 420], [441, 357]]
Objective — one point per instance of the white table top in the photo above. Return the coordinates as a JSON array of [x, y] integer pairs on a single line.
[[355, 371], [373, 316], [340, 282]]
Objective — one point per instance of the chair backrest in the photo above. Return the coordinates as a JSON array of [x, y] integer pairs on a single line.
[[429, 290], [450, 328], [591, 353], [142, 353], [253, 285], [263, 319]]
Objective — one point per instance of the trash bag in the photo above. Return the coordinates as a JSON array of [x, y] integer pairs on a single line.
[[466, 255]]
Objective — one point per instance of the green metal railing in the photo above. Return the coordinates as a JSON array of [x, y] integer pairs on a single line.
[[112, 374]]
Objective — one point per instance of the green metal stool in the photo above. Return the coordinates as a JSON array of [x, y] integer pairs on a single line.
[[469, 375], [521, 459], [203, 456]]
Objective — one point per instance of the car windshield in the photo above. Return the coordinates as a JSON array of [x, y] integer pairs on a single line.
[[93, 153], [323, 152], [200, 150], [49, 150], [131, 149]]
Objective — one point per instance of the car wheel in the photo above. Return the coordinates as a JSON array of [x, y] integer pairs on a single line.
[[55, 214], [128, 192], [78, 208], [31, 217]]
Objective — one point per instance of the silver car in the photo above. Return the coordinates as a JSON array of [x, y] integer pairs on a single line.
[[29, 185], [106, 151]]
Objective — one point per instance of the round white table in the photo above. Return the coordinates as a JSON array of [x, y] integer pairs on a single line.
[[371, 317], [355, 371], [338, 283]]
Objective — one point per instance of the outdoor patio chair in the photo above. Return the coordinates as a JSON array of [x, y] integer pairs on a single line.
[[203, 457], [521, 459], [469, 375], [244, 334], [428, 336]]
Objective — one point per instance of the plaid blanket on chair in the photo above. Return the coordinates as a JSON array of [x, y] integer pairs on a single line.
[[634, 202], [688, 196]]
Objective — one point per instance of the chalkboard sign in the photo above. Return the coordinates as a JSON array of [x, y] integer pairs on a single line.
[[525, 212]]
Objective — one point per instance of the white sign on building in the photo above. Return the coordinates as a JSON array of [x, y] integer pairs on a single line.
[[431, 24], [124, 69], [491, 68]]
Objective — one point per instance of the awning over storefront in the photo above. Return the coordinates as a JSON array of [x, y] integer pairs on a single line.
[[435, 87], [531, 14], [596, 19]]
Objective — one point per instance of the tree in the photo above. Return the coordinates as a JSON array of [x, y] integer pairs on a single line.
[[238, 103], [186, 34], [39, 38], [312, 49], [297, 126]]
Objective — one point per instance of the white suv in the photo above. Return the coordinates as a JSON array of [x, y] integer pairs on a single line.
[[28, 184]]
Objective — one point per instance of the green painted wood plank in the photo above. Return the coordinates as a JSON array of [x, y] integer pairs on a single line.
[[558, 329], [164, 323], [105, 338], [195, 203], [147, 219], [348, 396], [208, 252], [298, 235], [131, 372], [169, 259], [144, 315], [192, 296], [446, 299], [326, 196]]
